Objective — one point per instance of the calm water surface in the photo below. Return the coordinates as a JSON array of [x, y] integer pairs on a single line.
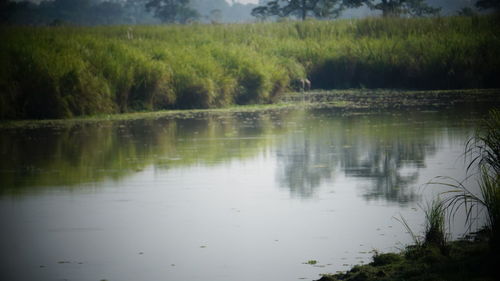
[[234, 196]]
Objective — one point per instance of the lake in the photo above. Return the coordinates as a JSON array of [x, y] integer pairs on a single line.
[[225, 196]]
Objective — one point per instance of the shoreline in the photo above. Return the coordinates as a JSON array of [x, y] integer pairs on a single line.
[[351, 100], [462, 260]]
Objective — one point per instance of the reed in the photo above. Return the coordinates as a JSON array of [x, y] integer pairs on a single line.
[[483, 149], [435, 224], [65, 71]]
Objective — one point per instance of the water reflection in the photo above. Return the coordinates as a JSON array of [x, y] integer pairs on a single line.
[[385, 152], [67, 157]]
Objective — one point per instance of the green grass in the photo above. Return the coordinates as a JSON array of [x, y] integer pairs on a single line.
[[435, 227], [58, 72], [435, 234], [483, 149], [466, 260]]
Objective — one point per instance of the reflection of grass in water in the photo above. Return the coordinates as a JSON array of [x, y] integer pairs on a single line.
[[94, 151], [90, 153]]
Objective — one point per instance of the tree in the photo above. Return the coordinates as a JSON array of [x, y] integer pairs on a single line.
[[418, 8], [299, 8], [6, 10], [172, 11], [466, 12], [135, 12], [388, 7], [215, 16], [488, 4], [395, 8]]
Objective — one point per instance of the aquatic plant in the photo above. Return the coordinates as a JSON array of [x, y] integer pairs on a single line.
[[435, 227], [434, 234], [484, 150]]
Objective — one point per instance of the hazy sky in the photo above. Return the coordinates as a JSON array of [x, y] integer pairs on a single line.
[[247, 1]]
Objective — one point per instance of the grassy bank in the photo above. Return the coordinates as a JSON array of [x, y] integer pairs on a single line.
[[58, 72], [345, 101], [466, 260]]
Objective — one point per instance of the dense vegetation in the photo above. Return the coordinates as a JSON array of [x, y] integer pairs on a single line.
[[54, 72]]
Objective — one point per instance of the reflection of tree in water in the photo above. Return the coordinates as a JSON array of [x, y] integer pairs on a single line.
[[391, 168], [385, 153], [303, 165]]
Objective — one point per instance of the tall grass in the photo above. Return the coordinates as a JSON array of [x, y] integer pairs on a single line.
[[53, 72], [435, 234], [435, 224], [483, 149]]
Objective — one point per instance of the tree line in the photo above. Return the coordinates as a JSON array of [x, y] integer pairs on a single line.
[[325, 9], [104, 12]]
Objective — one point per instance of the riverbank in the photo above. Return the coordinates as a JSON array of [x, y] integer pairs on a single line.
[[343, 101], [461, 260], [67, 71], [432, 257]]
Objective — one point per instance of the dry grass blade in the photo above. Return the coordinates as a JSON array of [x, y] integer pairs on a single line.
[[417, 241]]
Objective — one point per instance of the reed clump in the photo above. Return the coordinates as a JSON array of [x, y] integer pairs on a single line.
[[433, 257], [484, 152], [64, 71], [435, 225]]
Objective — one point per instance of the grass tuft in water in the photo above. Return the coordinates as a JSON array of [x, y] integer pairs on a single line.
[[435, 228], [484, 150]]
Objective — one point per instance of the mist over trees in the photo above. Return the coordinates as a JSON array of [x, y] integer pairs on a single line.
[[220, 11], [79, 12], [109, 12], [299, 9], [488, 4], [106, 12], [173, 11], [395, 8], [333, 8]]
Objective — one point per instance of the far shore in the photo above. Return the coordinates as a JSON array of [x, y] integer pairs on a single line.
[[346, 101]]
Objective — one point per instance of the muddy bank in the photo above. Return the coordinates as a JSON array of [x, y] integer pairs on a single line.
[[343, 101]]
